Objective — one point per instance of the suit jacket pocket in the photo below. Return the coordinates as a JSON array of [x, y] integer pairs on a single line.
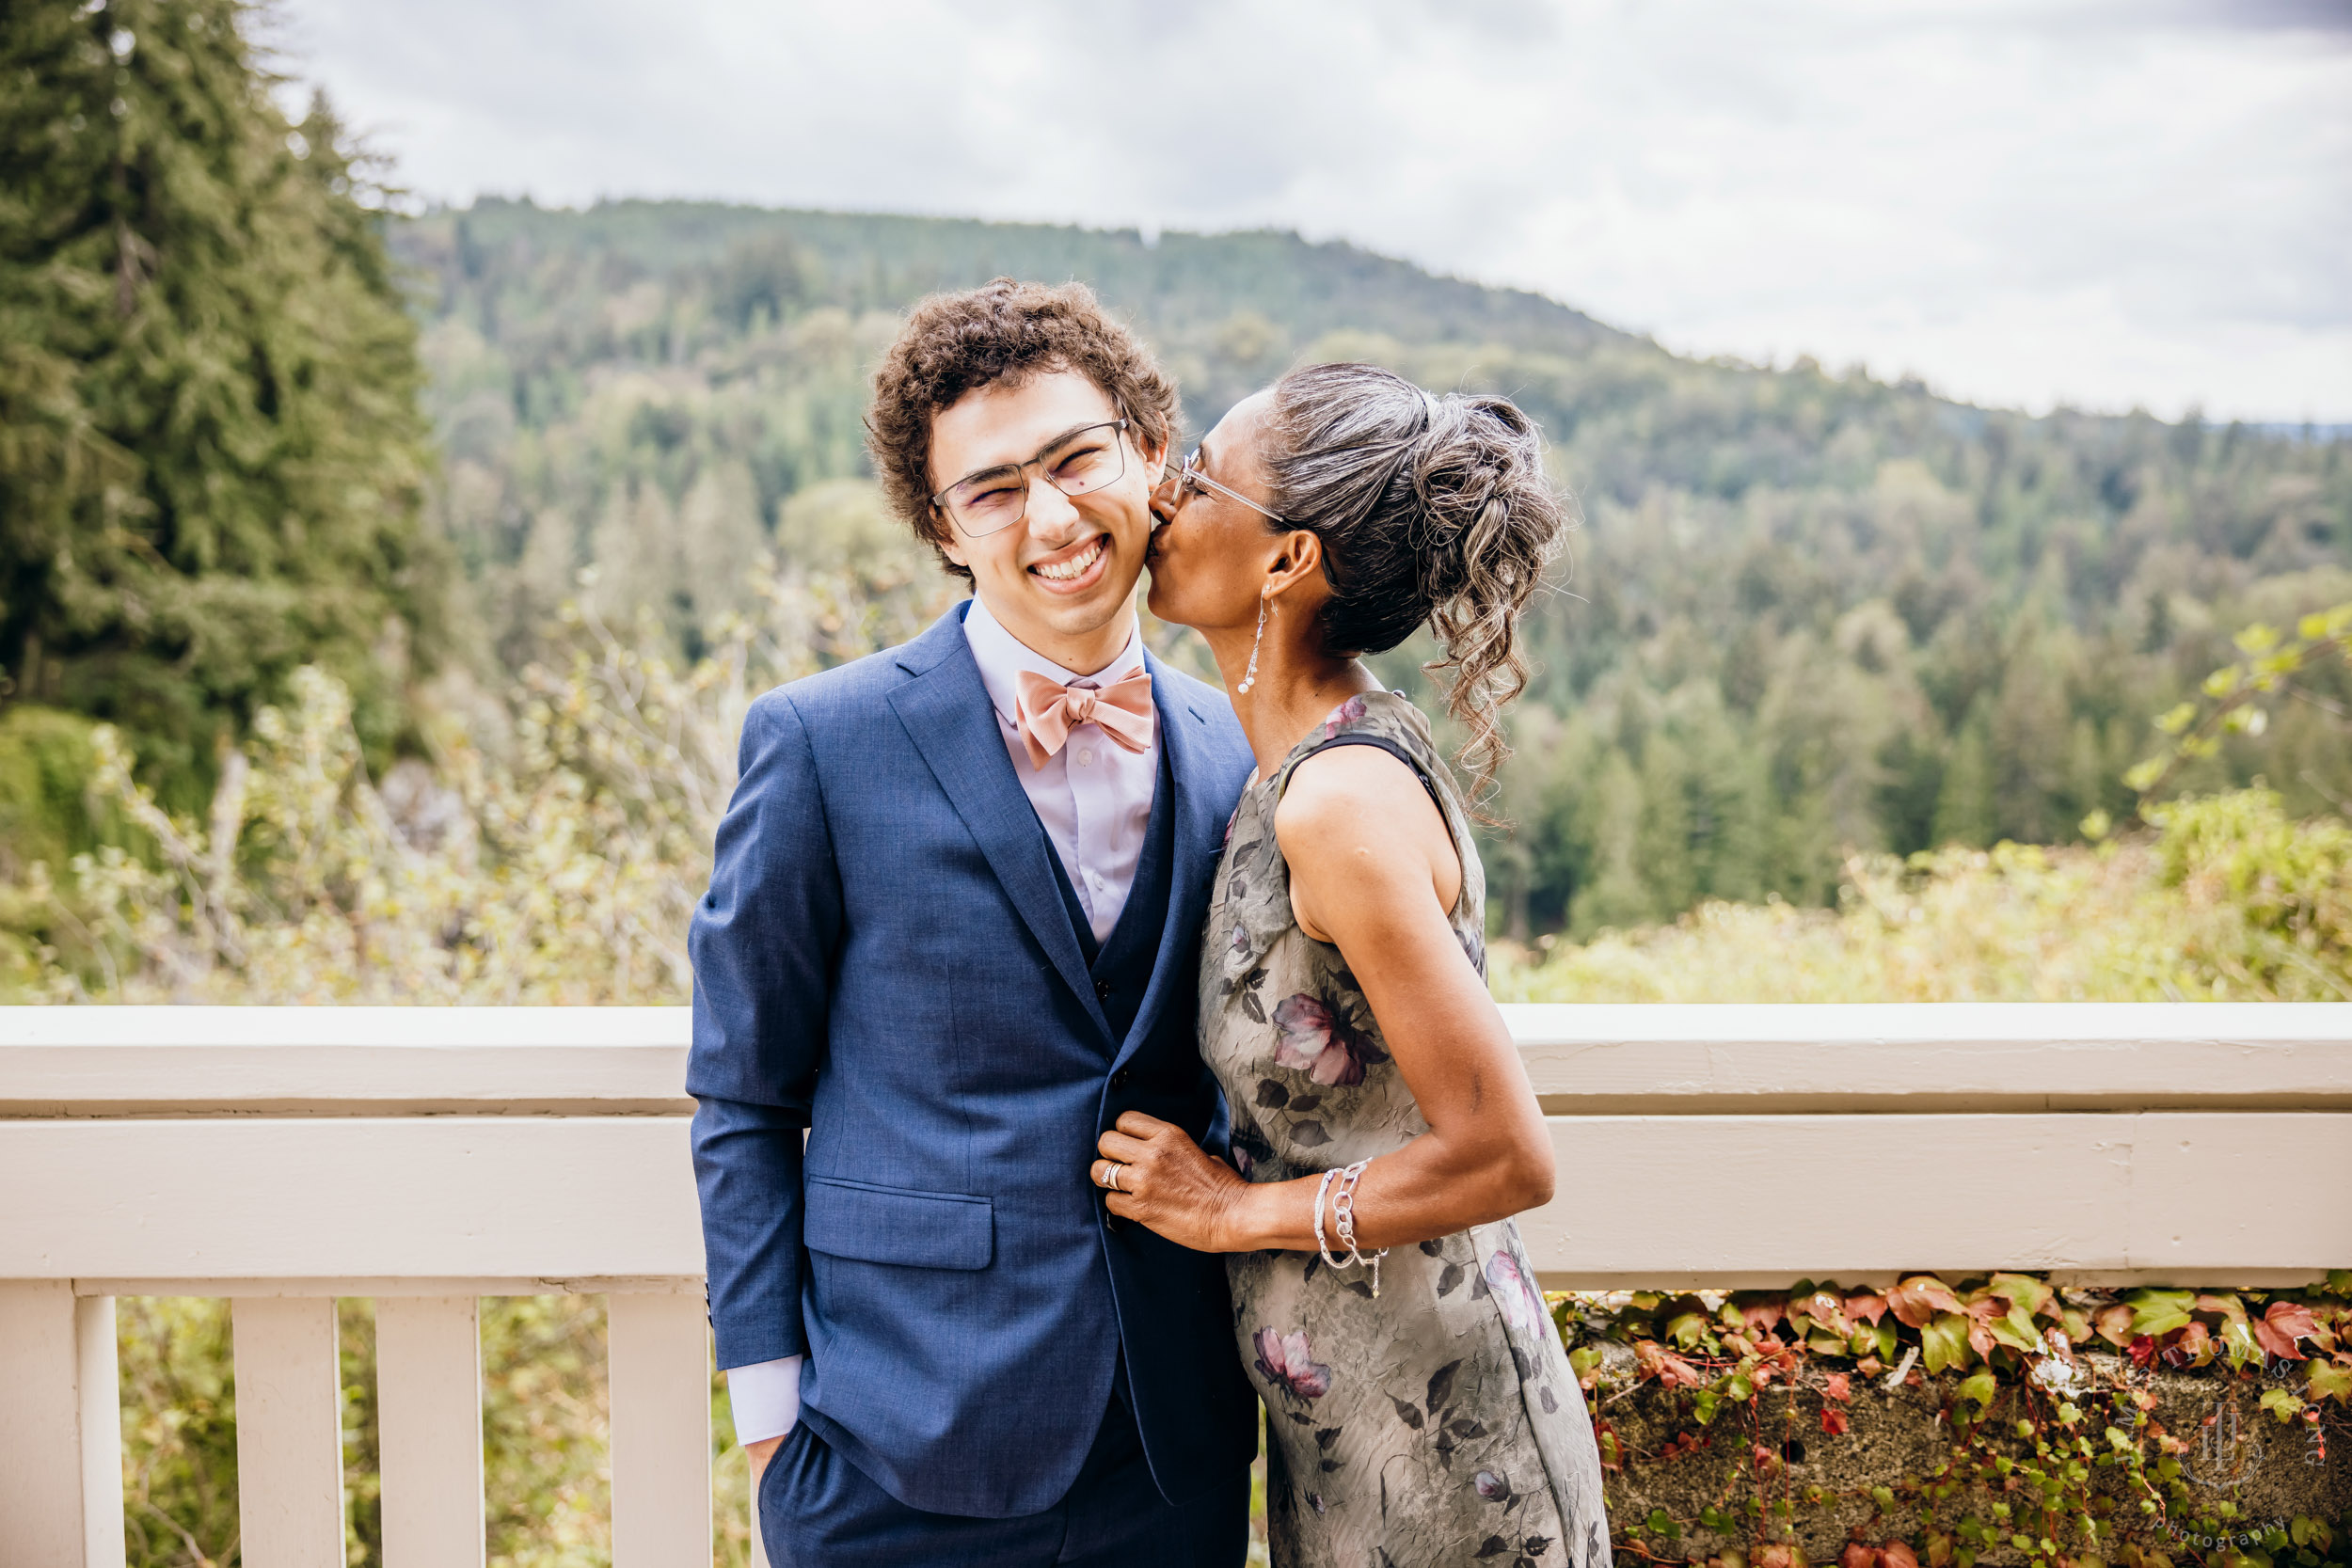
[[896, 1224]]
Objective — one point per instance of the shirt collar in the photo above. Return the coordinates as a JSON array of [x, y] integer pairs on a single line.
[[1002, 656]]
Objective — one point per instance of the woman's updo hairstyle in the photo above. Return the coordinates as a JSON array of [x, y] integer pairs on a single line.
[[1432, 510]]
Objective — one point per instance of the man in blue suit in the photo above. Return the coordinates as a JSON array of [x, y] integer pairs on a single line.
[[952, 934]]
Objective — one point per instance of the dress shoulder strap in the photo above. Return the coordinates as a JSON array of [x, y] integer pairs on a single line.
[[1387, 721]]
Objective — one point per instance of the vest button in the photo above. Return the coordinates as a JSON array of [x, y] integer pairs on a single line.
[[1102, 990], [1119, 1079]]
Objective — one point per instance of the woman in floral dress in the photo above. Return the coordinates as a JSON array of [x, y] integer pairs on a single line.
[[1420, 1409]]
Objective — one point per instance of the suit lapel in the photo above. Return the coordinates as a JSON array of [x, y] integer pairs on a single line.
[[1184, 733], [947, 715]]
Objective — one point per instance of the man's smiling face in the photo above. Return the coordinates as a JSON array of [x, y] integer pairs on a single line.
[[1062, 579]]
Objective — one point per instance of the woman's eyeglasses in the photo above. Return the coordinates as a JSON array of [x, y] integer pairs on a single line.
[[1190, 477]]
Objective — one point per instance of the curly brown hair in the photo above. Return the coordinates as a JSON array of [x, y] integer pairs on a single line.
[[1433, 511], [957, 344]]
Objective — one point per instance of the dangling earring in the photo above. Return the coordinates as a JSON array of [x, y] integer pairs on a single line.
[[1249, 676]]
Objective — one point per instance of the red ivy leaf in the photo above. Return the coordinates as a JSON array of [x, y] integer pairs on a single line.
[[1823, 1308], [1867, 1307], [2278, 1329], [1837, 1389], [1666, 1366], [1856, 1555], [2115, 1326], [1834, 1422], [1894, 1553], [1918, 1300]]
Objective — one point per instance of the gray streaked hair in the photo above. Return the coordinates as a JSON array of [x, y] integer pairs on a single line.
[[1433, 511]]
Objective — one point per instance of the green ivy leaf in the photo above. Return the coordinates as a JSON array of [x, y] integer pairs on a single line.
[[2325, 1380], [2281, 1404], [2015, 1329], [1705, 1404], [1686, 1329], [2023, 1289], [2159, 1312], [1981, 1388], [1945, 1343]]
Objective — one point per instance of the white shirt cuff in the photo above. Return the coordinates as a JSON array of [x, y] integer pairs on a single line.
[[766, 1397]]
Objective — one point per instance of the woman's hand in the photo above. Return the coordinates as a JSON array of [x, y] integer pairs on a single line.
[[1155, 1175]]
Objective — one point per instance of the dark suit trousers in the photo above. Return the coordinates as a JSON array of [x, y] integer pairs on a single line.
[[817, 1510]]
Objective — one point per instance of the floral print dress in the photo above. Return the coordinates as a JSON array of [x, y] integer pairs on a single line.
[[1438, 1423]]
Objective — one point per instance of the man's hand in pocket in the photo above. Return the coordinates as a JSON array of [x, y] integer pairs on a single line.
[[762, 1451]]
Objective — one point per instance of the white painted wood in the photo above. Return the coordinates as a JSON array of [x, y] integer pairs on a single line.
[[428, 1400], [1611, 1058], [577, 1198], [659, 1348], [453, 1196], [1733, 1201], [194, 1061], [1710, 1058], [290, 1458], [2209, 1193], [404, 1027], [104, 1540], [285, 1156], [402, 1284], [41, 1520]]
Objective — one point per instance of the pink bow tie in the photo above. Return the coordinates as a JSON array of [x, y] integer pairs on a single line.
[[1049, 712]]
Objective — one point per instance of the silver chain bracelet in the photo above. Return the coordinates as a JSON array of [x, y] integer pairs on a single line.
[[1343, 1220]]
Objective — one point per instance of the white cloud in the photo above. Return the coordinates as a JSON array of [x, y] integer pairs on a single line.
[[2083, 201]]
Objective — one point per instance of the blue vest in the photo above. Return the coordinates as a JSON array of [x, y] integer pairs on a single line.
[[1122, 967]]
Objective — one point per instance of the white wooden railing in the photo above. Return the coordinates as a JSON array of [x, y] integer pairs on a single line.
[[285, 1157]]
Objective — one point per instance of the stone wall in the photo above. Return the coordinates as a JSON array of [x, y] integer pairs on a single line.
[[2244, 1473]]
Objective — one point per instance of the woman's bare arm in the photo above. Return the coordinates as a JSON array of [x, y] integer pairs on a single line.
[[1373, 871]]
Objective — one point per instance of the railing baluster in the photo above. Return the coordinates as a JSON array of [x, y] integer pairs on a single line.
[[660, 1346], [41, 1419], [104, 1541], [290, 1441], [428, 1400]]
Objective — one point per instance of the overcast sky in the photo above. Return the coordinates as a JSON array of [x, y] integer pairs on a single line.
[[2099, 203]]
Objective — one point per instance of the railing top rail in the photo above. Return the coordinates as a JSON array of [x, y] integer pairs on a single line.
[[1653, 1058], [1609, 1058]]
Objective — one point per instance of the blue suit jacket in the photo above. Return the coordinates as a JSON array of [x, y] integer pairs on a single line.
[[885, 958]]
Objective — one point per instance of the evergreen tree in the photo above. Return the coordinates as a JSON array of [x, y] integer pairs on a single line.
[[1964, 811], [214, 452]]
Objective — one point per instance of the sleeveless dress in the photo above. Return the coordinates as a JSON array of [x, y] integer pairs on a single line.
[[1436, 1423]]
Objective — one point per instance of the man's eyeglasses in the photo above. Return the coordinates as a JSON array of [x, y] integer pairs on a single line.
[[1077, 464], [1190, 477]]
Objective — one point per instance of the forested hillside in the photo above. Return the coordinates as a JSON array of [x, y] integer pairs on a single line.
[[1808, 613]]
